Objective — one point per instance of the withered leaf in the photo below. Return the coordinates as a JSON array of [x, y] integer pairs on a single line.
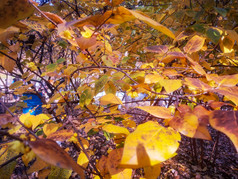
[[49, 151], [226, 122]]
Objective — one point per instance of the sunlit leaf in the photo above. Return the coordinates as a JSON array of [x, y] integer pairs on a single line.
[[186, 125], [110, 99], [110, 128], [229, 92], [149, 145], [226, 122], [170, 85], [50, 128], [153, 24], [50, 152], [82, 160], [157, 111], [194, 83], [194, 44]]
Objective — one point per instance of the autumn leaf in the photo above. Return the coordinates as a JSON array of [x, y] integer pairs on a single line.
[[37, 165], [149, 145], [170, 85], [110, 99], [153, 23], [157, 111], [194, 44], [112, 164], [50, 152], [110, 128], [50, 128], [227, 123], [159, 49], [152, 172], [61, 135], [82, 160], [5, 155], [194, 83], [21, 8]]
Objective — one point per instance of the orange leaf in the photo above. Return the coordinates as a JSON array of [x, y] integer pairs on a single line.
[[229, 92], [50, 152], [226, 122], [187, 125], [194, 83], [194, 44], [159, 49]]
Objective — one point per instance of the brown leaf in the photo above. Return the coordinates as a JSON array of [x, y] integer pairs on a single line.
[[49, 151], [85, 43], [226, 122], [6, 118], [160, 49], [61, 135]]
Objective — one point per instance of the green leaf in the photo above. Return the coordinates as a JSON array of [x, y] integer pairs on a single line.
[[221, 11], [60, 60], [51, 67], [214, 35], [60, 173], [7, 170], [16, 85], [99, 84]]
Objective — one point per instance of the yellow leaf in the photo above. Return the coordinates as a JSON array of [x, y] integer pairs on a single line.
[[57, 172], [110, 99], [50, 128], [83, 160], [37, 166], [152, 172], [196, 66], [5, 155], [16, 84], [194, 44], [110, 128], [129, 123], [149, 145], [153, 78], [157, 111], [27, 157], [50, 152], [152, 23], [226, 122], [170, 85]]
